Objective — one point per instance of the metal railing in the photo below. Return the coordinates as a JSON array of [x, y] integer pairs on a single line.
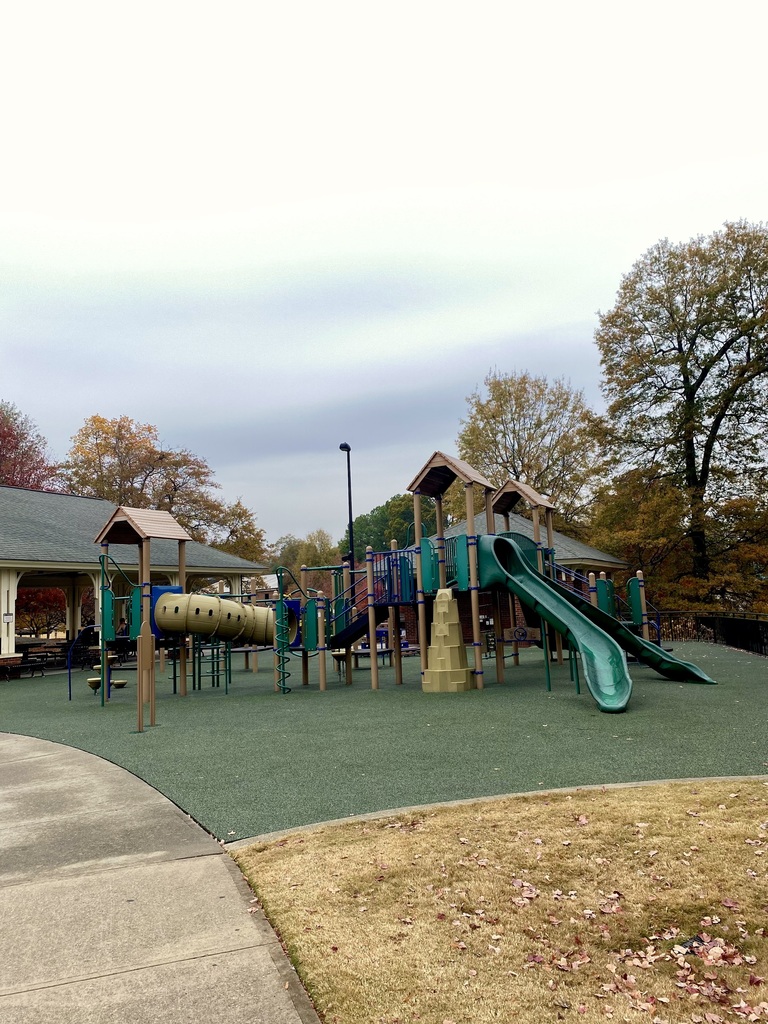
[[745, 631]]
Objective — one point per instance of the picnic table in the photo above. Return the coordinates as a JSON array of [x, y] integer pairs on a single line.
[[10, 666], [36, 659]]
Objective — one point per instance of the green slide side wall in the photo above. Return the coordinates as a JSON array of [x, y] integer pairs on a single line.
[[503, 564], [647, 653]]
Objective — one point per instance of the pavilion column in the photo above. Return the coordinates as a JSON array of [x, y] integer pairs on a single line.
[[72, 618], [95, 583], [9, 587], [80, 594]]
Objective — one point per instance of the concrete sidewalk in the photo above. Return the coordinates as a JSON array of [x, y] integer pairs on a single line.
[[116, 907]]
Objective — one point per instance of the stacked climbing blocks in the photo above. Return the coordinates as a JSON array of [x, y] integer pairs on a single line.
[[447, 671]]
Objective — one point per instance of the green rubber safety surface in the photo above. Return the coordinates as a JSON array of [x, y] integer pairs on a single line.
[[253, 761]]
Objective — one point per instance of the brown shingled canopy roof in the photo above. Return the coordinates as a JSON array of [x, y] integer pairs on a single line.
[[437, 475], [508, 495], [132, 525]]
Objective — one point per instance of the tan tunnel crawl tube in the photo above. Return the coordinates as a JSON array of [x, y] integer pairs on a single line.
[[220, 617]]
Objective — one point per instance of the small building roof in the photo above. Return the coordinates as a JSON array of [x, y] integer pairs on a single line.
[[54, 530], [568, 551], [437, 475]]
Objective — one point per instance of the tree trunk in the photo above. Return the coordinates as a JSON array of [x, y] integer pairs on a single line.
[[698, 535]]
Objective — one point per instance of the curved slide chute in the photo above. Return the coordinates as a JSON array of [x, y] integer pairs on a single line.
[[648, 653], [219, 617], [502, 563]]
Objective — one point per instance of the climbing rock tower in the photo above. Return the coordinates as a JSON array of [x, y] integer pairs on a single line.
[[447, 669]]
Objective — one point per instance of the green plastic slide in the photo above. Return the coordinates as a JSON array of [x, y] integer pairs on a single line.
[[502, 563], [648, 653]]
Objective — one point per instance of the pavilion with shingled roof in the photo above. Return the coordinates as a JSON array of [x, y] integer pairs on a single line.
[[47, 540]]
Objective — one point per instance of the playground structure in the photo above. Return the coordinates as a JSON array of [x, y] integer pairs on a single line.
[[557, 608]]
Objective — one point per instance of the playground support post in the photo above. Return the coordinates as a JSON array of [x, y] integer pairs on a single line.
[[140, 655], [548, 519], [420, 605], [346, 582], [512, 608], [440, 523], [275, 654], [102, 641], [474, 589], [513, 621], [498, 633], [321, 646], [371, 618], [183, 637], [593, 590], [145, 682], [643, 604], [303, 576], [540, 566], [394, 632]]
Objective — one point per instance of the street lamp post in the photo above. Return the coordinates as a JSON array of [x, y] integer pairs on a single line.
[[344, 447]]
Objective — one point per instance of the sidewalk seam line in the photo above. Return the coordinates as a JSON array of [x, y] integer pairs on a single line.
[[79, 979]]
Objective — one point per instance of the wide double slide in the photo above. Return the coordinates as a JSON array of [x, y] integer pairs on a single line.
[[598, 637]]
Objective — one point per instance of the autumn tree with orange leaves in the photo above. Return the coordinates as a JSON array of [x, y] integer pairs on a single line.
[[125, 462]]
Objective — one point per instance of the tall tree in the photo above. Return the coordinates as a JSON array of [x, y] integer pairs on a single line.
[[391, 521], [316, 549], [639, 517], [236, 532], [24, 460], [41, 609], [536, 431], [124, 462], [685, 369]]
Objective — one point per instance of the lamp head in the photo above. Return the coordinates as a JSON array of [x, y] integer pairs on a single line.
[[344, 447]]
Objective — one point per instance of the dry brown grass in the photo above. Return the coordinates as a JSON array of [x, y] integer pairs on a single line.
[[566, 906]]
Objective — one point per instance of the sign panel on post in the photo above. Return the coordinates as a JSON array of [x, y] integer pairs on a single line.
[[522, 635]]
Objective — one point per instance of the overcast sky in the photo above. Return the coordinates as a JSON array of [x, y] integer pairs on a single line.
[[271, 228]]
